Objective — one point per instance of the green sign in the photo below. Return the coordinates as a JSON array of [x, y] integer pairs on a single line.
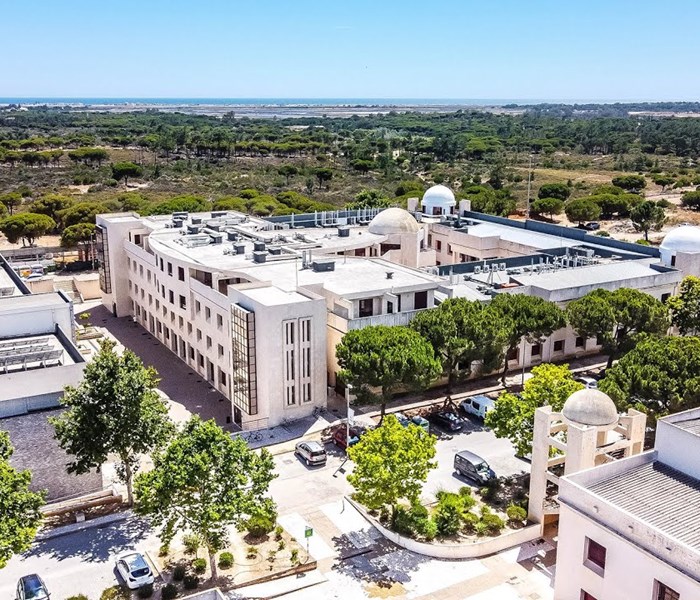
[[308, 532]]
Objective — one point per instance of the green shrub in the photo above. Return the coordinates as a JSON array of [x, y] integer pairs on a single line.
[[448, 514], [169, 592], [602, 234], [402, 521], [199, 565], [281, 545], [271, 555], [516, 514], [418, 511], [278, 532], [259, 525], [481, 528], [295, 556], [493, 523], [469, 522], [77, 597], [115, 593], [145, 591], [252, 552], [163, 550], [190, 582], [191, 543], [179, 572], [427, 528], [225, 560]]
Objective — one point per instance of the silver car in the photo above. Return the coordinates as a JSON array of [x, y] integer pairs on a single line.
[[134, 570], [313, 453]]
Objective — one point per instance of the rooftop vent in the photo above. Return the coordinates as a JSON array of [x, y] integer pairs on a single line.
[[214, 226], [259, 257], [192, 229], [323, 265], [216, 238], [232, 236], [215, 214], [275, 251], [343, 231], [259, 246], [239, 248], [389, 274], [196, 220], [181, 215]]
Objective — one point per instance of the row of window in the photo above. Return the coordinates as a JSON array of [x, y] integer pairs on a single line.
[[366, 305], [536, 349], [595, 555]]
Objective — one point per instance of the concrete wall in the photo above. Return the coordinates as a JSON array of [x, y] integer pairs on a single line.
[[88, 286], [630, 572], [34, 317], [674, 444]]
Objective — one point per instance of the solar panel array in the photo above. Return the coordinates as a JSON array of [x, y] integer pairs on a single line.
[[25, 352]]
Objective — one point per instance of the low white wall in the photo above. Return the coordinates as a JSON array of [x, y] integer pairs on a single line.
[[477, 549]]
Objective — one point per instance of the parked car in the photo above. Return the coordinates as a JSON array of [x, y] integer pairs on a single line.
[[473, 467], [417, 420], [447, 420], [590, 226], [477, 406], [341, 440], [32, 587], [134, 570], [312, 453], [589, 382]]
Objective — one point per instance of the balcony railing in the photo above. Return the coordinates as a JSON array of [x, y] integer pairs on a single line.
[[401, 318]]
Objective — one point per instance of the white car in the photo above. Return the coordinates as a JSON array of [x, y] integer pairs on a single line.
[[134, 570], [589, 382]]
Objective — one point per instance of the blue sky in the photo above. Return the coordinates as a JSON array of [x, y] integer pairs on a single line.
[[496, 49]]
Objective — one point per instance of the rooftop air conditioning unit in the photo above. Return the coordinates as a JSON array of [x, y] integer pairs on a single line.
[[259, 246], [343, 231], [501, 266], [477, 270], [259, 257], [218, 213], [323, 265]]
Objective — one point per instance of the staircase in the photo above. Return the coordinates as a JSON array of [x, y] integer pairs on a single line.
[[67, 287]]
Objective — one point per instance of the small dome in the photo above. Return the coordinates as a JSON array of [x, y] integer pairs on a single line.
[[438, 195], [684, 238], [590, 407], [392, 221]]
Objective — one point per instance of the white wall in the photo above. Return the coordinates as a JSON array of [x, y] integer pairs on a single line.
[[20, 318], [629, 571]]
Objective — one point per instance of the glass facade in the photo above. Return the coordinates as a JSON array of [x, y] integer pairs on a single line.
[[102, 250], [244, 381]]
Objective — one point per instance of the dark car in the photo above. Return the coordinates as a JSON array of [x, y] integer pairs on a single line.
[[590, 226], [31, 587], [473, 467], [447, 420]]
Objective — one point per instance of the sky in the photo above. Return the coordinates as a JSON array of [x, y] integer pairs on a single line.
[[442, 49]]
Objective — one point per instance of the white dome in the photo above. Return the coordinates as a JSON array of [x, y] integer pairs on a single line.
[[392, 221], [684, 238], [590, 407], [438, 196]]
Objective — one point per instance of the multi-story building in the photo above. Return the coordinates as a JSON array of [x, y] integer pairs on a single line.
[[258, 305], [630, 529]]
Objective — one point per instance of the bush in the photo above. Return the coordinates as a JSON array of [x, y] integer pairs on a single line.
[[199, 565], [179, 572], [190, 582], [448, 514], [259, 525], [145, 591], [402, 521], [252, 552], [225, 560], [164, 549], [493, 523], [169, 592], [281, 545], [77, 597], [516, 514], [465, 494], [469, 522], [602, 234], [115, 593], [427, 528], [278, 532], [191, 544], [295, 556], [481, 528], [642, 242]]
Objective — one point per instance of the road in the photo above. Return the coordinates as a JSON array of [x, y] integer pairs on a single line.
[[83, 562]]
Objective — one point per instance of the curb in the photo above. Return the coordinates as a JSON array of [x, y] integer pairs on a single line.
[[56, 532]]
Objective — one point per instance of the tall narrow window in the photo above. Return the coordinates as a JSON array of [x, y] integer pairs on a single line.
[[595, 556], [663, 592]]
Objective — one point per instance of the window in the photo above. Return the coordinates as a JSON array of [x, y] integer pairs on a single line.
[[183, 303], [673, 260], [420, 300], [430, 239], [580, 342], [181, 274], [141, 270], [559, 346], [536, 350], [221, 350], [208, 342], [170, 269], [586, 596], [222, 377], [595, 556], [199, 335], [663, 592], [665, 297], [513, 354], [366, 307], [438, 245], [207, 313], [219, 321], [148, 275], [197, 306], [171, 297], [161, 263], [200, 359]]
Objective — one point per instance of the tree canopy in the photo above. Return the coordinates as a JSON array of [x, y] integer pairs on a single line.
[[561, 191], [461, 332], [126, 169], [547, 206], [614, 319], [648, 216], [26, 226], [10, 201], [659, 376], [392, 463], [633, 183], [513, 417], [524, 317], [19, 507], [685, 306], [582, 209], [203, 482], [387, 358], [369, 199], [114, 410]]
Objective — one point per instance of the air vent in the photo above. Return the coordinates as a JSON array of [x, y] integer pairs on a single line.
[[323, 265], [232, 236], [389, 274], [259, 257], [239, 248], [259, 246], [216, 238], [344, 231], [218, 213]]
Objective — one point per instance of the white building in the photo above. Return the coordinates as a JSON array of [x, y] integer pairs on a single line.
[[681, 249], [257, 306], [630, 529]]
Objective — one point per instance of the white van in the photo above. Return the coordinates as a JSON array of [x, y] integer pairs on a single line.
[[477, 406]]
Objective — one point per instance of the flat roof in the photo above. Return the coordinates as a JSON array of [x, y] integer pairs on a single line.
[[691, 424], [526, 237], [6, 283], [658, 495], [273, 296], [48, 300]]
